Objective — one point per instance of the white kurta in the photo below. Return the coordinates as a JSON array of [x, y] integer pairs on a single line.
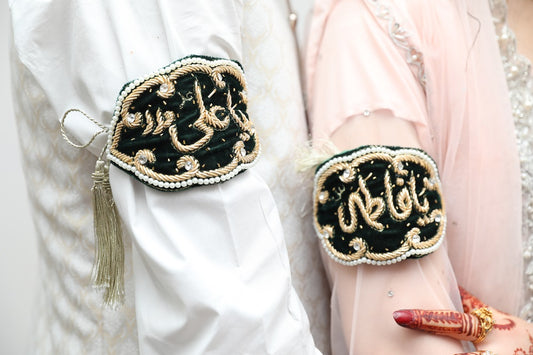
[[211, 271]]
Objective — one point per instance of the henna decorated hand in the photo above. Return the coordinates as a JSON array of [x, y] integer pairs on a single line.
[[509, 335]]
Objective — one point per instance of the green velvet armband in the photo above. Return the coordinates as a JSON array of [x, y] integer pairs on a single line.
[[184, 125], [379, 205]]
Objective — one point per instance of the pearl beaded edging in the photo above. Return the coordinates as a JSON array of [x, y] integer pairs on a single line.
[[357, 154], [116, 117]]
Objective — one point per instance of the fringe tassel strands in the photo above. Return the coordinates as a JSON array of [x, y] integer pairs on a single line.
[[108, 271], [311, 155]]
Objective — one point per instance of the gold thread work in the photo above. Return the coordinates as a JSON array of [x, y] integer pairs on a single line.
[[207, 123], [361, 207]]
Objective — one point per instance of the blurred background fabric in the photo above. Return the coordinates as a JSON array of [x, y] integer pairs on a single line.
[[18, 254]]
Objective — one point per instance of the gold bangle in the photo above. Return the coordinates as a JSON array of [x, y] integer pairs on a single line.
[[486, 320]]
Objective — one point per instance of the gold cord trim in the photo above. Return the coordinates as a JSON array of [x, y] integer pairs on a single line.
[[207, 123], [399, 206]]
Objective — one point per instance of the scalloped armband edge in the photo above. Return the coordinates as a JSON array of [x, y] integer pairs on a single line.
[[185, 124], [378, 205]]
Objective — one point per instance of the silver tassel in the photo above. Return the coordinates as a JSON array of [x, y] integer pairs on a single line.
[[108, 270]]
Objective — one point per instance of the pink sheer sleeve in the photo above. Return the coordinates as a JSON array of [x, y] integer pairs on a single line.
[[358, 69], [365, 93], [363, 90]]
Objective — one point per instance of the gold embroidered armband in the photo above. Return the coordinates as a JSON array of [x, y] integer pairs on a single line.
[[378, 205], [181, 126], [184, 125]]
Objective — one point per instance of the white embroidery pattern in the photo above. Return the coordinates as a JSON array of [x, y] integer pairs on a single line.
[[401, 38], [520, 82]]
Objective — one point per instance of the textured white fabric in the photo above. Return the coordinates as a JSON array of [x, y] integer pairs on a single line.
[[275, 103], [68, 315], [80, 54]]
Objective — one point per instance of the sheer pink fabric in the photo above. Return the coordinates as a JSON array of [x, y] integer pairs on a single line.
[[461, 118]]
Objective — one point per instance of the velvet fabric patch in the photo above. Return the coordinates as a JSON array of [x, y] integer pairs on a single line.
[[184, 125], [378, 205]]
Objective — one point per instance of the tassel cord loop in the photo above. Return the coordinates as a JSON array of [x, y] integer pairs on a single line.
[[103, 129]]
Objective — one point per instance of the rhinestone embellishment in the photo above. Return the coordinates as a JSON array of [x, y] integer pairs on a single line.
[[143, 134], [142, 159], [357, 198], [163, 88]]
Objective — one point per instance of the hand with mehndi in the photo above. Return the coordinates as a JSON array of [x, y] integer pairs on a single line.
[[492, 331]]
